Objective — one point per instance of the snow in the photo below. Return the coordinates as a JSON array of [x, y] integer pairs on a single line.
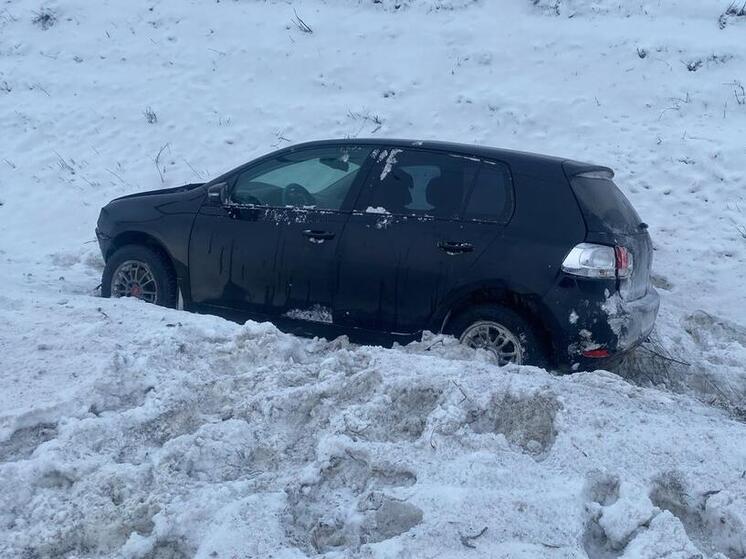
[[139, 432], [390, 162], [622, 519], [316, 313]]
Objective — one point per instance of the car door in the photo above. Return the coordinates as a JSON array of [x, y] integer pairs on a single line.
[[404, 240], [489, 263], [308, 258], [275, 237]]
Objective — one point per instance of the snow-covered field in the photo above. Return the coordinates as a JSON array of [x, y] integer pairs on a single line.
[[140, 432]]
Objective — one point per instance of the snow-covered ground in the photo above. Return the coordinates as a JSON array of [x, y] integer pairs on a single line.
[[139, 432]]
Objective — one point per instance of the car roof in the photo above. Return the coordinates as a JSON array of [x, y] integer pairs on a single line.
[[507, 155], [546, 167]]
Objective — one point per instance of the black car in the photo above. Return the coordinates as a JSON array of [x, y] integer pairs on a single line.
[[540, 260]]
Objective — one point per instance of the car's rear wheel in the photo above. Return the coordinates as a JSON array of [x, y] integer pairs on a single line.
[[140, 272], [503, 332]]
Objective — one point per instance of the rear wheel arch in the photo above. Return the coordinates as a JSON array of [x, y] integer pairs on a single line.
[[527, 306]]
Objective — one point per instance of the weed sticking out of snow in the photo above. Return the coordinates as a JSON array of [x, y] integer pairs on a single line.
[[150, 116], [44, 18], [734, 12], [713, 374]]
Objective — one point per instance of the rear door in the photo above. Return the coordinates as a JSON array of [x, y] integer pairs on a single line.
[[404, 243], [487, 209], [271, 249]]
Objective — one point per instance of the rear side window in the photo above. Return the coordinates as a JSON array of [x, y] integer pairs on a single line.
[[491, 197], [604, 206], [412, 182]]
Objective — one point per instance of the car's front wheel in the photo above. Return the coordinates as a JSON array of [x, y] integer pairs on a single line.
[[140, 272], [501, 331]]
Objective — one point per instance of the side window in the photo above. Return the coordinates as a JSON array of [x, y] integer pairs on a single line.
[[317, 178], [491, 198], [420, 182]]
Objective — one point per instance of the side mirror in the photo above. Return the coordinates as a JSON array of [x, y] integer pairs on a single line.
[[217, 194]]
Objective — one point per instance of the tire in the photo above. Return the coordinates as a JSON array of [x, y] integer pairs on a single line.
[[132, 258], [531, 349]]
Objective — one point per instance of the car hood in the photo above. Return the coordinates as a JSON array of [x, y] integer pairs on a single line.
[[174, 190]]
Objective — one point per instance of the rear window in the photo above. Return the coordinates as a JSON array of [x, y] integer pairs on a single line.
[[491, 198], [604, 205]]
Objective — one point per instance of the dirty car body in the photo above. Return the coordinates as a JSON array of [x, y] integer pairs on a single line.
[[384, 239]]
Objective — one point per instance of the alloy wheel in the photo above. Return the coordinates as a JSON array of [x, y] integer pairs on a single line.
[[495, 338], [134, 279]]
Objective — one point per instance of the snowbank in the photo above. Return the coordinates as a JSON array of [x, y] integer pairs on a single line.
[[213, 438]]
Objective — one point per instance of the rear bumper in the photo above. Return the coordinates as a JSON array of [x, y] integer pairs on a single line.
[[595, 327], [636, 319], [633, 324]]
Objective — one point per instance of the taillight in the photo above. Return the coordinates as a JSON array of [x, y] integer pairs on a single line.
[[590, 260], [623, 262], [599, 353]]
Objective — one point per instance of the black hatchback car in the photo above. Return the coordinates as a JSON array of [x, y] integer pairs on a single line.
[[539, 260]]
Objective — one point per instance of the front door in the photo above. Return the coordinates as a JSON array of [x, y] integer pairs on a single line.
[[271, 249]]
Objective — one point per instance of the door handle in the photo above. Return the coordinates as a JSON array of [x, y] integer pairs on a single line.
[[318, 237], [453, 247]]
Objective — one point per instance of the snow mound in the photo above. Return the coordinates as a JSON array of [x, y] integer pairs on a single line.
[[707, 362], [204, 437]]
